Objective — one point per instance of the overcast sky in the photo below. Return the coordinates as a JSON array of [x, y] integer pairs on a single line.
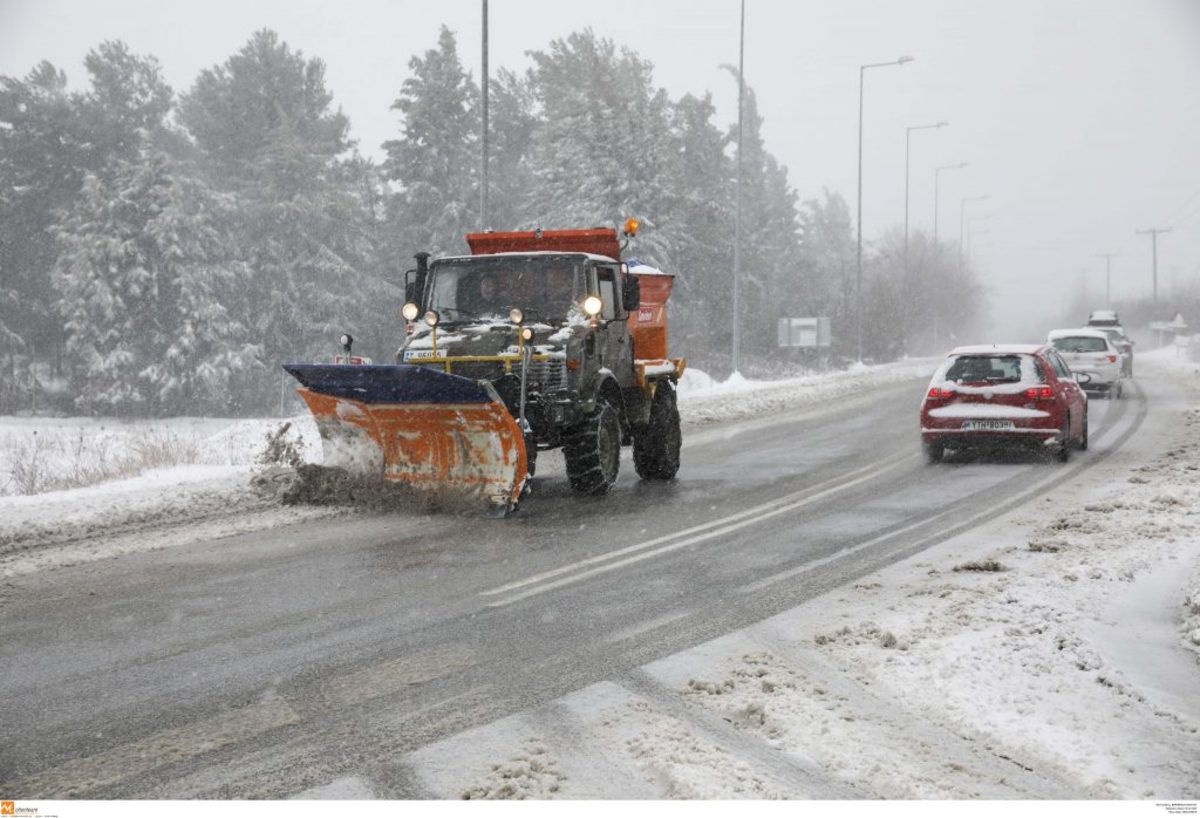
[[1080, 119]]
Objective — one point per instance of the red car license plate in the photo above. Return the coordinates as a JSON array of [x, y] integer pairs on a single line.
[[987, 425]]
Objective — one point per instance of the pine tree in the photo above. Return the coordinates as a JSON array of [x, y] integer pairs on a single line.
[[700, 229], [49, 141], [264, 128], [603, 149], [827, 267], [436, 161], [148, 294], [514, 123], [41, 168], [770, 236]]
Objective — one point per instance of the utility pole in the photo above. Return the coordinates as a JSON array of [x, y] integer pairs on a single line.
[[1153, 233], [483, 154], [1107, 276]]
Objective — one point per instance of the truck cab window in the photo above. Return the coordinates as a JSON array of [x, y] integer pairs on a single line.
[[607, 280]]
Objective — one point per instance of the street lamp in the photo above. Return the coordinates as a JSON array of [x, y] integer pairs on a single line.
[[483, 133], [907, 137], [737, 219], [971, 232], [862, 70], [937, 172], [962, 211]]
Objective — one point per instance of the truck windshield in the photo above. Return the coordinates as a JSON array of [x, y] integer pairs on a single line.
[[543, 286]]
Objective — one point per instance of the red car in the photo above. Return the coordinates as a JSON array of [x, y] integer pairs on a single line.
[[1004, 395]]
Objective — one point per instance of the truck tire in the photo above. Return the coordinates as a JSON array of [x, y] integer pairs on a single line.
[[593, 450], [656, 445]]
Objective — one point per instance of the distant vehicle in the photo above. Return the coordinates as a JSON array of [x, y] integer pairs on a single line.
[[1104, 318], [1092, 351], [1110, 322], [1005, 395], [1124, 346]]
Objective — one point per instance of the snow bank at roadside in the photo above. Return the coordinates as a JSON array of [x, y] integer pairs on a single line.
[[211, 484], [703, 401]]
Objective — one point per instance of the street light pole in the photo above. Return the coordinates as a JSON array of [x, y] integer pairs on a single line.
[[937, 172], [907, 138], [1107, 276], [971, 233], [862, 70], [483, 152], [737, 218], [962, 212]]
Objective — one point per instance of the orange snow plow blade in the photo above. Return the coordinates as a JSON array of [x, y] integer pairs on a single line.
[[438, 433]]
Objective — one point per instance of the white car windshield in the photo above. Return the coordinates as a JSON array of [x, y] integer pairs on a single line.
[[1081, 343]]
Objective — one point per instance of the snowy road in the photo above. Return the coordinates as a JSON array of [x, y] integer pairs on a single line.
[[346, 656]]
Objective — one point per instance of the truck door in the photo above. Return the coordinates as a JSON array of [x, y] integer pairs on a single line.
[[614, 345]]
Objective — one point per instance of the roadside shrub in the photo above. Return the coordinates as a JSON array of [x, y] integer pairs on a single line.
[[282, 449]]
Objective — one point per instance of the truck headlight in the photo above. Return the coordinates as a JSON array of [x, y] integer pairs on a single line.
[[410, 311], [592, 305], [432, 318], [516, 315]]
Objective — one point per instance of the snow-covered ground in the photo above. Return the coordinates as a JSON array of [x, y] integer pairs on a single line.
[[1052, 653]]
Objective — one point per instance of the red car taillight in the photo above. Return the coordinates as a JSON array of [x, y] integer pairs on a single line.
[[1039, 393], [1112, 359], [939, 394]]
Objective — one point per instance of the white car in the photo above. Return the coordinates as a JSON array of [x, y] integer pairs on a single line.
[[1091, 350]]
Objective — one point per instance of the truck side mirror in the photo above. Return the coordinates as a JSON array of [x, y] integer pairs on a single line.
[[410, 287], [631, 293]]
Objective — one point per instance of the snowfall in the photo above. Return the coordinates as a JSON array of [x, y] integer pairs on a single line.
[[1051, 653]]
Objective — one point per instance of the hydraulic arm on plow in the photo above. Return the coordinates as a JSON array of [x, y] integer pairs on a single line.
[[537, 340]]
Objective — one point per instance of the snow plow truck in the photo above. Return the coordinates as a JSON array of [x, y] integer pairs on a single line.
[[537, 340]]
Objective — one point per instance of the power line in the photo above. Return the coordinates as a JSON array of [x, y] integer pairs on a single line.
[[1175, 216]]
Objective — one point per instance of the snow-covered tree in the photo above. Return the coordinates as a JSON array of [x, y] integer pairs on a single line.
[[150, 298], [49, 140], [264, 127], [603, 149], [770, 258], [827, 267], [436, 160], [921, 309], [514, 121], [700, 228], [236, 110]]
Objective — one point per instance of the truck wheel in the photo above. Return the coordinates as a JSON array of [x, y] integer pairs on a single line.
[[593, 450], [656, 445]]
